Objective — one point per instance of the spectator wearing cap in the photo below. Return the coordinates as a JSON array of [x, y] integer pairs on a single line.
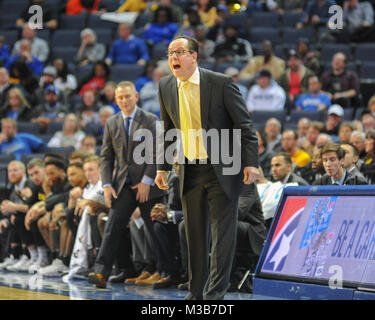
[[334, 120], [295, 78], [341, 84], [314, 99], [234, 48], [368, 120], [266, 94], [51, 109], [233, 73], [48, 78], [267, 60], [90, 51], [39, 47]]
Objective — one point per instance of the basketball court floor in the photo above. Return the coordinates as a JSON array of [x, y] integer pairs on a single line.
[[23, 286]]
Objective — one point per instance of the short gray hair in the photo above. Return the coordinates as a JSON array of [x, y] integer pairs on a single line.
[[88, 31]]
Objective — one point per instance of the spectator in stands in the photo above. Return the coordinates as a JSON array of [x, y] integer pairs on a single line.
[[146, 76], [15, 207], [351, 160], [21, 75], [132, 6], [177, 11], [88, 111], [368, 168], [216, 32], [370, 103], [90, 51], [261, 5], [314, 99], [333, 160], [323, 139], [358, 139], [127, 49], [309, 58], [264, 154], [79, 6], [234, 48], [207, 12], [39, 47], [70, 136], [265, 61], [95, 81], [107, 96], [64, 81], [340, 84], [272, 130], [289, 142], [149, 93], [314, 170], [51, 109], [317, 13], [162, 29], [295, 78], [233, 73], [334, 119], [50, 20], [368, 120], [18, 144], [206, 46], [282, 167], [89, 143], [5, 86], [266, 94], [17, 107], [191, 21], [302, 128], [345, 130], [97, 129], [315, 128], [25, 55], [4, 51], [288, 5]]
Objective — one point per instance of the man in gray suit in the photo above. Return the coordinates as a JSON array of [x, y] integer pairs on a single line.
[[127, 182], [281, 169], [202, 100]]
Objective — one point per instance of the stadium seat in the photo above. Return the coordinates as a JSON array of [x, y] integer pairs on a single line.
[[291, 35], [261, 34], [66, 53], [64, 151], [83, 71], [290, 18], [159, 51], [43, 34], [238, 19], [328, 50], [221, 67], [265, 19], [111, 5], [207, 65], [296, 115], [94, 22], [25, 158], [28, 127], [3, 175], [128, 72], [368, 70], [104, 35], [53, 127], [263, 116], [76, 22], [69, 38], [12, 7], [365, 52], [142, 20], [11, 36], [6, 158]]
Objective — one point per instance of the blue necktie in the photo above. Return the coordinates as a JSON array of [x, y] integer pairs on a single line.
[[127, 127]]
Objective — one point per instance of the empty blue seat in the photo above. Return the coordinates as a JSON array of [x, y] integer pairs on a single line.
[[290, 18], [94, 22], [76, 22], [367, 70], [28, 127], [104, 35], [126, 72], [291, 35], [365, 52], [238, 19], [265, 19], [11, 36], [66, 53], [6, 158], [71, 38], [296, 115], [3, 175], [110, 5], [263, 116], [83, 71], [261, 34], [53, 127], [13, 7], [329, 50]]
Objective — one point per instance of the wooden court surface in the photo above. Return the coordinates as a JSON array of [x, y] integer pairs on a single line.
[[7, 293]]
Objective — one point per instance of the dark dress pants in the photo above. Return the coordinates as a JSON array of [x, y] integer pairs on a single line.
[[118, 219], [207, 208]]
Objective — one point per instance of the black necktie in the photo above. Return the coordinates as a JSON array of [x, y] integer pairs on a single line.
[[127, 127]]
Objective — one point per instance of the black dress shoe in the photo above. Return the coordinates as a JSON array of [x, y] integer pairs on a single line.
[[164, 283], [98, 280], [120, 277]]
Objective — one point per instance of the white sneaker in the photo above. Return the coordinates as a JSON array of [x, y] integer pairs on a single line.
[[39, 263], [8, 262], [14, 267], [24, 267], [56, 269]]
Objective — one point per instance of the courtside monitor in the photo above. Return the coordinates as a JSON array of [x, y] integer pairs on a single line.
[[321, 245]]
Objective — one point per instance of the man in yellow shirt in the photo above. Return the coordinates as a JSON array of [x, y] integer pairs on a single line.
[[289, 143]]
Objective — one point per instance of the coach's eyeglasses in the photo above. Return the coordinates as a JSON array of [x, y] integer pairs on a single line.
[[179, 53]]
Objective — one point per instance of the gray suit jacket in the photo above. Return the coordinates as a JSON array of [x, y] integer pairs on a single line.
[[222, 107], [117, 156]]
